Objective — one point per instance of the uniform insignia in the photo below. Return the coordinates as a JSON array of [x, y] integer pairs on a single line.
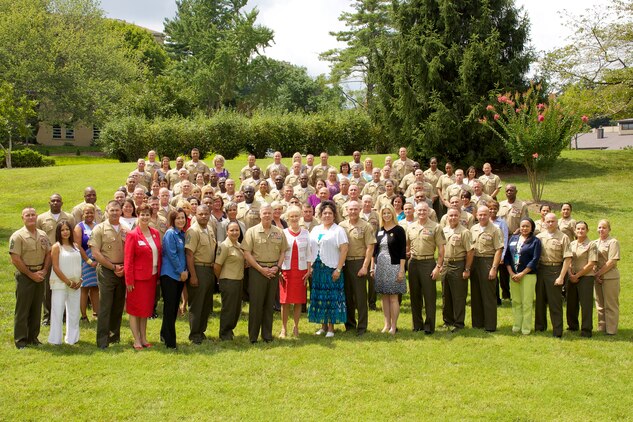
[[12, 244], [188, 239]]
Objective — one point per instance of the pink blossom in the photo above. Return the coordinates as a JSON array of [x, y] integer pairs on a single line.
[[518, 110], [535, 155], [489, 107], [483, 120], [502, 98], [510, 103], [496, 116], [540, 106], [541, 117], [584, 119]]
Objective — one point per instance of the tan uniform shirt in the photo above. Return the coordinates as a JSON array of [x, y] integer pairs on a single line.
[[486, 240], [160, 224], [513, 213], [568, 227], [165, 212], [466, 219], [303, 193], [360, 182], [608, 249], [201, 244], [405, 182], [143, 178], [456, 190], [443, 182], [490, 183], [554, 247], [249, 215], [266, 246], [319, 172], [539, 227], [582, 254], [47, 222], [424, 238], [231, 258], [108, 241], [383, 200], [195, 168], [433, 177], [252, 182], [283, 170], [264, 198], [373, 189], [292, 180], [427, 188], [359, 236], [78, 213], [308, 226], [340, 200], [372, 218], [246, 173], [32, 248], [172, 177], [458, 242], [479, 201], [402, 168]]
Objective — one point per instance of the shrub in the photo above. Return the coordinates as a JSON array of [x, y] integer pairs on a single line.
[[26, 158]]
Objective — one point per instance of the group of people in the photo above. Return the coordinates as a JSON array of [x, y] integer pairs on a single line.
[[344, 235]]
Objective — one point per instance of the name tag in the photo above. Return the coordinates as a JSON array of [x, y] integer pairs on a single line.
[[381, 232], [142, 243]]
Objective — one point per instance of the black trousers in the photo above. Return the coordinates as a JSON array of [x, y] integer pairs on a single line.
[[580, 300], [171, 290]]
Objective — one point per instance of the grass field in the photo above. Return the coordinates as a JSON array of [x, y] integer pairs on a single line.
[[469, 375]]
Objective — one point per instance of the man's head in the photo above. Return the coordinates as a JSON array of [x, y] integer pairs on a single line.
[[55, 203], [90, 195]]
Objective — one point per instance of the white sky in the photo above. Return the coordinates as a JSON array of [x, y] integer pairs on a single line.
[[302, 26]]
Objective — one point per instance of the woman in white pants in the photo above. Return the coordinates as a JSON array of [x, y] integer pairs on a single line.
[[65, 282]]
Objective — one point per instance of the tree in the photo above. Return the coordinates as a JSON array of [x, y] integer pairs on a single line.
[[214, 42], [594, 70], [534, 133], [15, 112], [444, 59]]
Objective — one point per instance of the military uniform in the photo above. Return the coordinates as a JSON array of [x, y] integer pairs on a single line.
[[202, 243], [246, 173], [283, 170], [433, 177], [455, 288], [483, 291], [443, 182], [360, 182], [160, 224], [34, 250], [266, 246], [303, 193], [231, 258], [319, 172], [249, 215], [568, 227], [554, 250], [406, 182], [402, 168], [172, 177], [490, 183], [513, 213], [466, 219], [607, 293], [456, 190], [78, 213], [292, 180], [423, 240], [111, 287], [360, 236], [195, 168], [382, 200], [373, 189], [480, 200], [308, 226], [252, 183], [143, 178], [580, 294], [164, 211]]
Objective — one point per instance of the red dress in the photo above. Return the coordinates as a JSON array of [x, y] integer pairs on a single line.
[[138, 272], [291, 287]]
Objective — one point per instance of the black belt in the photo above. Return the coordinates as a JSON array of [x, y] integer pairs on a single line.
[[484, 256]]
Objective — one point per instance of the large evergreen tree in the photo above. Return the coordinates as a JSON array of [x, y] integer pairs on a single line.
[[445, 58]]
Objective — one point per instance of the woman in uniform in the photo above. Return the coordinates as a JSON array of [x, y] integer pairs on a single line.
[[607, 282], [580, 275]]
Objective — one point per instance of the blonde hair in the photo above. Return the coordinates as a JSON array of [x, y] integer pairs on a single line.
[[392, 210]]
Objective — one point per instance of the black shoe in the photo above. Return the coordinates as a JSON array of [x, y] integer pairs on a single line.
[[253, 341], [35, 342], [490, 331], [154, 316], [361, 333], [197, 342], [428, 332], [84, 319]]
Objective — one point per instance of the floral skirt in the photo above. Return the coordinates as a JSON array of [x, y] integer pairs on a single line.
[[327, 297]]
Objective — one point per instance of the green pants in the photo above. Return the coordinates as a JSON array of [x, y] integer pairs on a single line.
[[231, 294], [455, 290], [423, 292], [549, 296], [483, 295], [261, 292], [28, 309], [111, 304], [200, 303], [580, 300], [522, 301]]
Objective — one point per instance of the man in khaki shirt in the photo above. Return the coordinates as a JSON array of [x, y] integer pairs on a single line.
[[106, 243], [48, 222], [362, 240], [254, 180], [143, 177], [550, 276], [248, 211], [195, 166], [246, 171], [164, 207], [373, 188], [172, 175], [200, 248], [303, 190], [295, 172], [488, 245], [356, 178], [466, 219], [409, 178], [479, 197], [491, 182], [423, 239], [512, 210], [29, 248], [308, 221], [456, 188], [341, 198], [264, 249], [90, 197], [321, 171], [457, 264], [443, 182], [278, 165], [403, 165]]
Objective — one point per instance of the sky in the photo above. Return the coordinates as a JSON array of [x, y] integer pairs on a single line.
[[302, 26]]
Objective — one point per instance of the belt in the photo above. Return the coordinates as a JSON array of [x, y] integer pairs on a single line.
[[484, 256], [354, 258], [202, 264], [267, 264], [550, 264], [35, 267], [454, 259], [423, 257]]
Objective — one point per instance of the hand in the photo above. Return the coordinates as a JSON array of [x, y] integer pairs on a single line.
[[130, 287], [184, 275], [307, 276], [517, 277], [362, 272], [559, 281], [94, 264], [336, 274], [193, 280], [492, 274], [599, 280], [573, 278], [466, 275], [400, 276], [119, 270], [38, 276], [435, 273]]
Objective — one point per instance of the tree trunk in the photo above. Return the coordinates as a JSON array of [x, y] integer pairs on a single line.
[[7, 152], [537, 183]]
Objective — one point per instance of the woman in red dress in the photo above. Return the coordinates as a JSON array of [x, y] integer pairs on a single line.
[[296, 270], [142, 267]]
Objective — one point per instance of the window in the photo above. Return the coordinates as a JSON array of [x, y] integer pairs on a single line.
[[70, 133], [626, 126], [96, 132], [57, 132]]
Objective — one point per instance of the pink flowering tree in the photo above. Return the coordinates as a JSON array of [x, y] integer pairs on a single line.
[[534, 133]]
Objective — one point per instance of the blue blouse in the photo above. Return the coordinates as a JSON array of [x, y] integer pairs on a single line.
[[527, 256], [174, 261]]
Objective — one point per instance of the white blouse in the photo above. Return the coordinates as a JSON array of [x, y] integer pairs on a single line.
[[328, 243], [304, 247], [70, 265]]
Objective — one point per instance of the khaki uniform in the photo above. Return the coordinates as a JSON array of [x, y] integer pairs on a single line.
[[319, 172], [266, 247], [252, 183], [308, 226], [539, 227], [152, 166], [172, 177], [554, 250], [283, 170], [607, 293], [264, 199], [479, 201], [454, 287], [249, 215], [246, 173], [373, 189], [160, 224], [360, 236], [231, 258], [490, 183], [195, 168], [568, 227], [202, 244], [109, 242], [33, 249], [423, 240], [382, 200], [428, 189], [303, 193], [406, 182], [580, 294], [465, 219], [483, 292], [443, 182], [402, 168], [292, 180], [143, 178], [360, 182], [456, 190], [372, 219], [432, 176], [340, 200], [165, 212], [513, 214], [78, 213]]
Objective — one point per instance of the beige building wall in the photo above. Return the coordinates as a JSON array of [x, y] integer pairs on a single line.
[[81, 135]]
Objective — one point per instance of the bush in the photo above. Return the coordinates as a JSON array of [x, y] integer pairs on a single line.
[[26, 158]]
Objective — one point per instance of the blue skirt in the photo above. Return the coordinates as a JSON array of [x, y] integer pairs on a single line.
[[88, 274], [327, 297]]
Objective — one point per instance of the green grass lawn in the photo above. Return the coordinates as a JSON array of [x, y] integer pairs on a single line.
[[468, 375]]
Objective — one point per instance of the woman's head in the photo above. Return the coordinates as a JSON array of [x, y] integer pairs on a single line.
[[128, 209], [327, 211], [526, 227], [63, 232], [387, 215]]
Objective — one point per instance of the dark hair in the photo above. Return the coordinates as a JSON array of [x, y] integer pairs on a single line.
[[582, 222], [58, 231], [469, 169], [113, 202], [540, 208], [570, 207], [174, 214], [143, 207], [193, 197], [328, 204], [466, 194], [532, 224], [344, 163], [402, 198], [153, 198], [130, 201]]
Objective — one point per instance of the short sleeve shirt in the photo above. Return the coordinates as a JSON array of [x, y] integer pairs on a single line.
[[202, 243], [108, 241], [555, 247], [424, 238], [265, 245], [458, 242], [582, 254], [490, 183], [31, 247], [359, 237], [486, 240], [608, 249], [231, 258]]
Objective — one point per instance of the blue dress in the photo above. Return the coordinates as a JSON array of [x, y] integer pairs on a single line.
[[88, 273], [327, 297]]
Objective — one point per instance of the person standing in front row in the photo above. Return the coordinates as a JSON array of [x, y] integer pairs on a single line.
[[200, 244], [483, 279], [173, 274], [521, 259], [65, 283], [607, 284], [552, 268], [581, 280], [29, 249], [106, 244], [264, 248]]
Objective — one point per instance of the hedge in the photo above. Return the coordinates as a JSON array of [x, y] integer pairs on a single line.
[[230, 133], [26, 158]]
